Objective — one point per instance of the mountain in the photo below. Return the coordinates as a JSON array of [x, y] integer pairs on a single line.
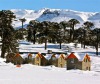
[[55, 15]]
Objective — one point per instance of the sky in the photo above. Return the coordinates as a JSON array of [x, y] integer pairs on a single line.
[[78, 5]]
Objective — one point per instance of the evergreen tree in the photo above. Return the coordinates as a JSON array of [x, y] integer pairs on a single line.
[[32, 30], [87, 26], [44, 32], [72, 24], [8, 40], [22, 21]]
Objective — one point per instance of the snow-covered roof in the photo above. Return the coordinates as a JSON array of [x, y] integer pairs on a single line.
[[25, 55], [48, 56], [33, 55], [80, 56], [57, 55]]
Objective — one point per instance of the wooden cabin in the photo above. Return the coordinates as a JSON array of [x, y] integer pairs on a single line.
[[18, 59], [30, 58], [51, 59], [10, 57], [78, 61], [57, 60], [37, 59], [27, 58], [48, 59], [44, 61], [61, 61]]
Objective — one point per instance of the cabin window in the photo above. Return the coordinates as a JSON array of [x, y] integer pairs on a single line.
[[37, 58], [53, 58], [86, 60], [86, 68], [72, 60], [61, 59], [30, 57]]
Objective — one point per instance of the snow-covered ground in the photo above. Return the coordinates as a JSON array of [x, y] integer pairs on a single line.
[[31, 74]]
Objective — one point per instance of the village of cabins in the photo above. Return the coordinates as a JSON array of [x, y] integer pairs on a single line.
[[69, 61]]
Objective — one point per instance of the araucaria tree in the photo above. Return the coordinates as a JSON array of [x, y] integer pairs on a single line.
[[7, 32], [32, 30], [45, 32], [87, 26], [22, 21], [72, 24]]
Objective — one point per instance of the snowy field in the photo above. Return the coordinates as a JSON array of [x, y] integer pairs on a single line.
[[31, 74]]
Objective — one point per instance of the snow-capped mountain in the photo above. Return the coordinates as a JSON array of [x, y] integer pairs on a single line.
[[55, 15]]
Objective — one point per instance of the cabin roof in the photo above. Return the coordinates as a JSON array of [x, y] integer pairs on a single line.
[[25, 55], [79, 56], [48, 56]]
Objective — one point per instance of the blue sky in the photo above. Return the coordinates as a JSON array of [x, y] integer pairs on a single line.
[[78, 5]]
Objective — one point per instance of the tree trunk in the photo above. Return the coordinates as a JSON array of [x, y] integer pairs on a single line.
[[3, 51], [84, 45], [84, 38], [45, 44], [22, 27], [34, 37], [96, 49], [60, 45], [70, 35], [73, 34]]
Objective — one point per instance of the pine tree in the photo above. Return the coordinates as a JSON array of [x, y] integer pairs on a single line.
[[8, 40]]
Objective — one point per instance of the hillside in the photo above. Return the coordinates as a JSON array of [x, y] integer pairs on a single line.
[[56, 15]]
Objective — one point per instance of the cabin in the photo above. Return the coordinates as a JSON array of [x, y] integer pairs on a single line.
[[51, 59], [44, 61], [48, 59], [61, 61], [14, 58], [10, 57], [37, 59], [57, 60], [78, 61], [27, 58], [18, 59]]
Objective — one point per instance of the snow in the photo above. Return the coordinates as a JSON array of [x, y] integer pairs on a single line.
[[25, 55], [32, 74], [48, 56], [80, 56], [55, 15], [29, 47]]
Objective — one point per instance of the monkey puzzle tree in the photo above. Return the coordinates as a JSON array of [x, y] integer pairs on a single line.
[[87, 26], [72, 24], [7, 32], [32, 30], [22, 21]]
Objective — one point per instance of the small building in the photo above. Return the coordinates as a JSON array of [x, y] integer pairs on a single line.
[[10, 57], [25, 58], [37, 59], [78, 61], [61, 61], [57, 60], [48, 59], [18, 59], [14, 58]]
